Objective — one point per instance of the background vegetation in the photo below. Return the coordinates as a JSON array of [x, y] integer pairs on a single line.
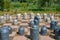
[[30, 5]]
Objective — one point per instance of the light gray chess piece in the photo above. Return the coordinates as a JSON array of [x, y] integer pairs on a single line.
[[52, 18], [25, 16], [10, 19], [15, 21], [38, 14], [45, 17], [18, 16], [48, 20], [32, 15], [2, 19], [7, 17]]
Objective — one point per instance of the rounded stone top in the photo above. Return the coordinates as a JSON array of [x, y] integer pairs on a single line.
[[43, 27]]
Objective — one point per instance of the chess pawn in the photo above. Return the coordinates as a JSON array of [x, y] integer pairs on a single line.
[[32, 16], [10, 19], [44, 15], [43, 30], [18, 16], [21, 30], [2, 19], [25, 16], [39, 15], [52, 18], [48, 20], [7, 17], [31, 23], [15, 22]]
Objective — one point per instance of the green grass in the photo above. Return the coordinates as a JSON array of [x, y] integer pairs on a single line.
[[41, 12]]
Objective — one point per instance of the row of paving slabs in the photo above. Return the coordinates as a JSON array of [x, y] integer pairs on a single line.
[[14, 20], [34, 30]]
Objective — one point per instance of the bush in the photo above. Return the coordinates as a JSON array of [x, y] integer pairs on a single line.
[[58, 8]]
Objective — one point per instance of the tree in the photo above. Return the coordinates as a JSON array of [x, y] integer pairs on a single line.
[[7, 4], [45, 4], [1, 5]]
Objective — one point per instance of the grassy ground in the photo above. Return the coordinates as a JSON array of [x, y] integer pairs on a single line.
[[15, 12]]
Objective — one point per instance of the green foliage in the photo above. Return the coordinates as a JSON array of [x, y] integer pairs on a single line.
[[35, 5], [7, 4], [1, 5], [18, 5], [57, 7]]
